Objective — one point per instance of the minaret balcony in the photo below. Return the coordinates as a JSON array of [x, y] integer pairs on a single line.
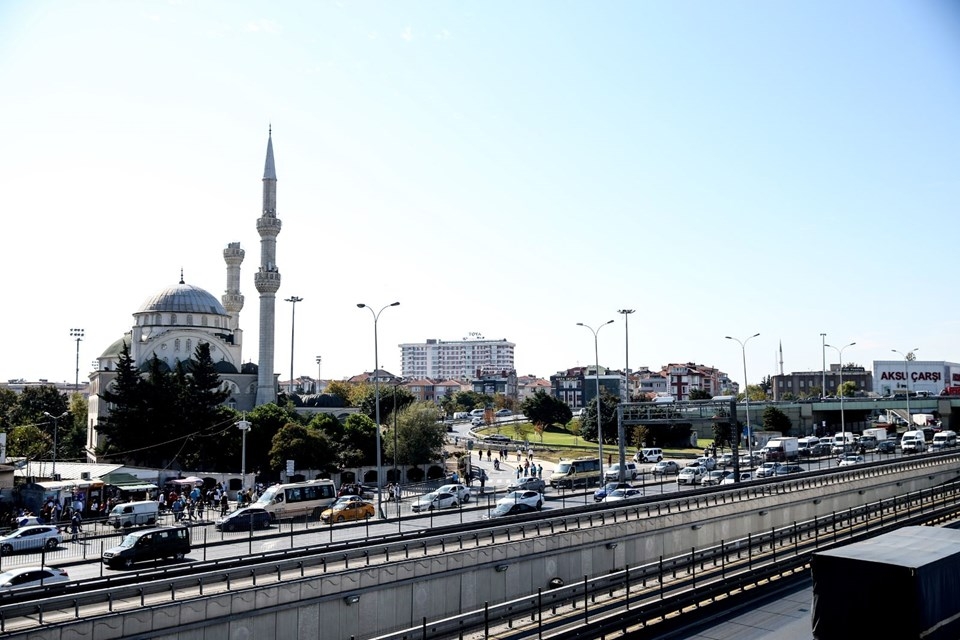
[[268, 226], [267, 281]]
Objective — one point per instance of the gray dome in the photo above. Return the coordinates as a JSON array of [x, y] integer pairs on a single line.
[[183, 298]]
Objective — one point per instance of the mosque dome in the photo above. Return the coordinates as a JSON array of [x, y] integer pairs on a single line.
[[183, 298], [114, 350]]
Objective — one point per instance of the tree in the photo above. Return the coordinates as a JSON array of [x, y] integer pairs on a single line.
[[722, 434], [8, 401], [847, 389], [125, 440], [776, 420], [72, 440], [341, 389], [756, 393], [308, 447], [699, 394], [30, 442], [543, 409], [265, 422], [521, 430], [32, 405], [359, 444], [608, 414], [388, 393], [420, 437]]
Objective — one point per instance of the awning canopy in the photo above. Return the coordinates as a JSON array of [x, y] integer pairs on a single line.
[[187, 480], [136, 487]]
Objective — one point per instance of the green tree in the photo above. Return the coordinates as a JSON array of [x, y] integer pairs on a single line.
[[32, 405], [847, 389], [358, 446], [543, 409], [341, 389], [420, 437], [72, 439], [521, 430], [608, 414], [755, 393], [266, 421], [30, 442], [125, 439], [699, 394], [776, 420], [309, 448], [8, 401], [722, 434]]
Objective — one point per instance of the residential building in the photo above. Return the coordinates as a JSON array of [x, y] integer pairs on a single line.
[[684, 378], [809, 384], [578, 386], [455, 359], [490, 383]]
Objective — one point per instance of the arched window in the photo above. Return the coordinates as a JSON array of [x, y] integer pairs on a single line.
[[173, 318], [189, 345], [203, 320], [189, 319], [158, 319], [176, 344]]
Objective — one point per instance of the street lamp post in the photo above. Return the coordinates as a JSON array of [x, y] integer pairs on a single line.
[[746, 395], [596, 355], [293, 326], [319, 360], [843, 423], [621, 436], [823, 354], [55, 429], [244, 426], [77, 334], [376, 392], [906, 378]]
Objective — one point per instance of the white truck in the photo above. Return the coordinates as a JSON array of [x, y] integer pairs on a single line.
[[843, 442], [922, 419], [879, 433], [781, 449]]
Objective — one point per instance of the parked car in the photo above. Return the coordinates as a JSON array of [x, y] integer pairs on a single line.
[[532, 498], [725, 460], [457, 489], [502, 413], [690, 475], [612, 472], [767, 469], [476, 421], [623, 494], [607, 489], [850, 459], [435, 500], [712, 477], [497, 437], [787, 469], [247, 519], [31, 538], [707, 462], [529, 483], [887, 446], [665, 467], [26, 577], [351, 510], [149, 544], [511, 509]]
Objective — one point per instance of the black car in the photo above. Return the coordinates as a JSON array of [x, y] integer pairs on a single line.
[[887, 446], [512, 509], [820, 449], [245, 519], [149, 544]]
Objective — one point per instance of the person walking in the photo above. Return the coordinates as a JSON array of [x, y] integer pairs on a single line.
[[76, 526]]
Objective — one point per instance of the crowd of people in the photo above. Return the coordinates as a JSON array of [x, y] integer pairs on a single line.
[[193, 504]]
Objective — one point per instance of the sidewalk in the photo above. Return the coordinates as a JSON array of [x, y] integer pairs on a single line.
[[498, 480]]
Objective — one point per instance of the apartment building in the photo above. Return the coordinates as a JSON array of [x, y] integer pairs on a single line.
[[455, 359]]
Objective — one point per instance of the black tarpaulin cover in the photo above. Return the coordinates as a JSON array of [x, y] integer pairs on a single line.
[[904, 584]]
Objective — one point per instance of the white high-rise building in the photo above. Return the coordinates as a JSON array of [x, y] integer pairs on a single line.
[[455, 359]]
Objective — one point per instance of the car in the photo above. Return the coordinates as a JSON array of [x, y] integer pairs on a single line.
[[608, 488], [435, 500], [497, 437], [511, 509], [349, 510], [613, 471], [530, 483], [712, 477], [730, 478], [665, 467], [725, 460], [478, 473], [502, 413], [26, 577], [246, 519], [532, 498], [690, 475], [787, 469], [707, 462], [457, 489], [623, 494], [476, 421], [746, 460], [648, 454], [767, 469], [820, 449], [32, 538], [850, 459], [477, 413], [887, 446], [149, 544]]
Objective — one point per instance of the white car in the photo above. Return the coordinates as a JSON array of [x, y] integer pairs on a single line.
[[707, 462], [32, 538], [712, 477], [26, 577], [525, 496], [459, 490], [729, 478], [623, 494], [435, 500], [768, 469], [850, 459], [690, 475]]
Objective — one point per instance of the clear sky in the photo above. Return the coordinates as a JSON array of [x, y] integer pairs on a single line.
[[501, 167]]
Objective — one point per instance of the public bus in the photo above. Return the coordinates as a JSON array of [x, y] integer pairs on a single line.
[[297, 499]]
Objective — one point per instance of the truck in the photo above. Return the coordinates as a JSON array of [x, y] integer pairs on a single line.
[[922, 419], [913, 570], [781, 449], [880, 433]]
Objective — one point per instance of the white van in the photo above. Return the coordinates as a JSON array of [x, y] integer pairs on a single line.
[[129, 514], [944, 439], [913, 442], [612, 473], [648, 454]]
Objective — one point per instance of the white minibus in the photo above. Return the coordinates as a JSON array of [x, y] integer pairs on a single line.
[[297, 499]]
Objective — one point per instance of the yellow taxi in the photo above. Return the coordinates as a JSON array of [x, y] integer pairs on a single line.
[[350, 510]]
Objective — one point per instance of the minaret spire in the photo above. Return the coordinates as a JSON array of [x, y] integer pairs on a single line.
[[267, 279]]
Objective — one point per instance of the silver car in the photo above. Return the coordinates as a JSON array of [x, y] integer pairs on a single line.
[[531, 483], [32, 538]]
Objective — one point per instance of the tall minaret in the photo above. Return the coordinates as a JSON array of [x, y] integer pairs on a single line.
[[232, 298], [267, 279]]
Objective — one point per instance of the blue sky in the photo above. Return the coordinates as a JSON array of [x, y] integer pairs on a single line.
[[507, 168]]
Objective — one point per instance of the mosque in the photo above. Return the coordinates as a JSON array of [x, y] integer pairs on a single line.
[[171, 323]]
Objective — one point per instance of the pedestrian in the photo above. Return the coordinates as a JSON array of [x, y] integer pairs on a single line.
[[526, 467], [540, 471], [519, 471], [224, 504], [200, 510], [396, 491], [76, 526], [483, 478], [488, 455]]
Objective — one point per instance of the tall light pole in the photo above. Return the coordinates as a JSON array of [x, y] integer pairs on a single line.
[[55, 429], [376, 392], [823, 354], [293, 327], [746, 394], [843, 423], [621, 435], [244, 426], [77, 334], [596, 355], [319, 360], [907, 357]]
